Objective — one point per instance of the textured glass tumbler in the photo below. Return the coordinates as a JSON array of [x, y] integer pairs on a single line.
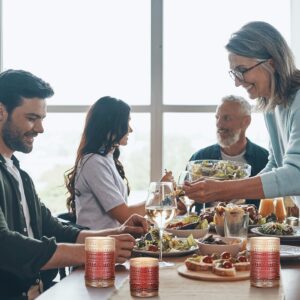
[[264, 261], [144, 277], [99, 261], [236, 223]]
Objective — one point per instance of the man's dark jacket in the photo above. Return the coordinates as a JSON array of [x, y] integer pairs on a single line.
[[21, 257]]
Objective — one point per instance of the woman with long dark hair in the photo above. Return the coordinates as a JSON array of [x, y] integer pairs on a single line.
[[97, 183]]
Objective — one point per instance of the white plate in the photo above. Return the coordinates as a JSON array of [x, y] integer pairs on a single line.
[[289, 252], [293, 237], [166, 254]]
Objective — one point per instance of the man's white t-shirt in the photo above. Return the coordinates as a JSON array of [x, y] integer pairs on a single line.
[[16, 174], [238, 158]]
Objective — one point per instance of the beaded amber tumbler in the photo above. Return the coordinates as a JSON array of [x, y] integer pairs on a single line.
[[144, 277], [99, 261], [264, 261]]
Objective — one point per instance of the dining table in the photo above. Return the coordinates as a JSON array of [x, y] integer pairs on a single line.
[[174, 286]]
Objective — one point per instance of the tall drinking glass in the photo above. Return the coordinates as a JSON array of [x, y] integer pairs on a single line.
[[236, 223], [184, 176], [280, 210], [266, 207], [161, 207]]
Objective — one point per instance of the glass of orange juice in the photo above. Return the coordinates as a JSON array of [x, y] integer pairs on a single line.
[[280, 210], [266, 207]]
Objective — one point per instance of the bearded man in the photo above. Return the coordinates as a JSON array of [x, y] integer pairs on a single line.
[[233, 117]]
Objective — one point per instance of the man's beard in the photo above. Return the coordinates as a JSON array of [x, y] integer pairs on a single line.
[[13, 138], [233, 138]]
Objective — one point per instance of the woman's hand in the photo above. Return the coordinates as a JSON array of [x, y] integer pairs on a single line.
[[204, 190], [208, 190], [135, 225], [124, 246]]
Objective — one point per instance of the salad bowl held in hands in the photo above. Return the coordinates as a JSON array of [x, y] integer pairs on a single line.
[[218, 169]]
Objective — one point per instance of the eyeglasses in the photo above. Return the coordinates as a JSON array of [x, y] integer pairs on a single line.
[[235, 74]]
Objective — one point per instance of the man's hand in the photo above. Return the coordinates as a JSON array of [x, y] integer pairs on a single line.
[[135, 225], [124, 245], [168, 177]]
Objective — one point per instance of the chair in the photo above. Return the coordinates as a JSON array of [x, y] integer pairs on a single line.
[[67, 217]]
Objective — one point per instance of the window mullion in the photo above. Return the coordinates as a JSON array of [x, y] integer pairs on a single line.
[[156, 89], [295, 25]]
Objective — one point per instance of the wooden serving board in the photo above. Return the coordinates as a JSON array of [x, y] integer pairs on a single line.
[[209, 276]]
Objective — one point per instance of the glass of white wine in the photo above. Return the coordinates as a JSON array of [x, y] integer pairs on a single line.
[[184, 176], [161, 208]]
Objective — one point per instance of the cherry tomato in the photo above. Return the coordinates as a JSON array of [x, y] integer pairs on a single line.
[[207, 259], [227, 264], [242, 258], [225, 255], [153, 248]]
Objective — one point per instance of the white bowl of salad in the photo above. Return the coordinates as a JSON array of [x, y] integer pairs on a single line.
[[188, 225]]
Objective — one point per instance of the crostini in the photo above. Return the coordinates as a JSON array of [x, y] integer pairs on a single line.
[[223, 267]]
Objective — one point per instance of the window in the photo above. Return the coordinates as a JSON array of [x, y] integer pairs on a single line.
[[164, 58], [85, 49], [195, 33]]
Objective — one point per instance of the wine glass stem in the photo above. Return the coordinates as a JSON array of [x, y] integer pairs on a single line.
[[188, 210], [161, 231], [203, 207]]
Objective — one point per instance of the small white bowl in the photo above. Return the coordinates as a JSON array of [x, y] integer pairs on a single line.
[[197, 233], [233, 246]]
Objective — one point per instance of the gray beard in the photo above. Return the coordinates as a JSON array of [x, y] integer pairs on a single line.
[[231, 140]]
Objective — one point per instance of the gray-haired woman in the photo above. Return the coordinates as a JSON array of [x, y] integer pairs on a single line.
[[262, 63]]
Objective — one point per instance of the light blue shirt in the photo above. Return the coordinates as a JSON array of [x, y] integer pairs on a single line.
[[281, 176]]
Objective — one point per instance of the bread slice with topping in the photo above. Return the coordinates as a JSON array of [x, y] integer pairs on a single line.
[[199, 263], [241, 263], [223, 267]]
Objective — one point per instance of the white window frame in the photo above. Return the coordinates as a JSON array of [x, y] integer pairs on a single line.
[[156, 107]]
